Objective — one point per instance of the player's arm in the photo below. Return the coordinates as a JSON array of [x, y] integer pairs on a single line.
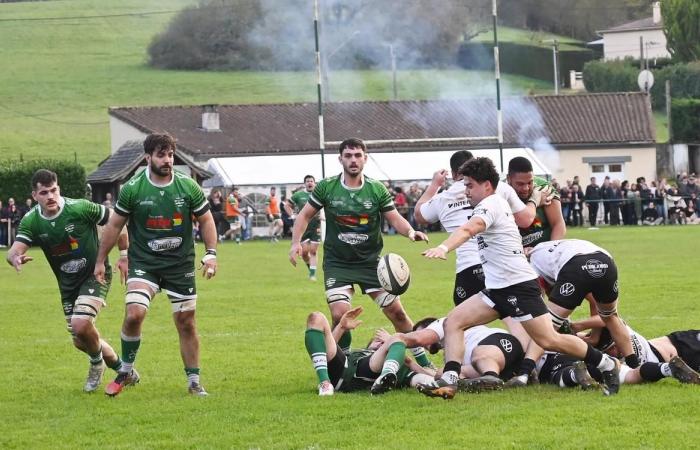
[[419, 338], [300, 224], [16, 255], [349, 321], [123, 262], [402, 226], [289, 207], [474, 226], [555, 219], [523, 213], [437, 182], [207, 230], [110, 234]]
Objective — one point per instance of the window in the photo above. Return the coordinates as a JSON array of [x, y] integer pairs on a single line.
[[597, 168], [615, 168]]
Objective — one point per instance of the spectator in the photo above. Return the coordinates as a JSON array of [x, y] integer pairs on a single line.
[[637, 202], [13, 214], [216, 205], [248, 212], [592, 201], [605, 193], [676, 214], [627, 204], [3, 226], [576, 182], [401, 202], [691, 212], [650, 216], [412, 196], [27, 206], [565, 195], [108, 200], [287, 220], [576, 205], [615, 199]]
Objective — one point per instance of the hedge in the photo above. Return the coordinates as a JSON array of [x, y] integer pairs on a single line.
[[526, 60], [685, 120], [15, 178]]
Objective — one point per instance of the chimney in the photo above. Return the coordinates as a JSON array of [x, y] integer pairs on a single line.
[[210, 118], [656, 8]]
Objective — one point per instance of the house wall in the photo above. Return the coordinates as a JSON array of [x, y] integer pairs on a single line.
[[120, 132], [620, 45], [637, 162]]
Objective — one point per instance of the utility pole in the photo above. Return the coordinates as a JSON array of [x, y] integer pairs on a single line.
[[641, 52], [668, 111], [321, 136], [555, 56], [392, 55], [497, 69]]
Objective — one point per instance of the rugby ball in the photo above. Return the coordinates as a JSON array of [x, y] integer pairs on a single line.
[[393, 273]]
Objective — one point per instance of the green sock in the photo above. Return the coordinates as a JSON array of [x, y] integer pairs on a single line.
[[421, 356], [116, 365], [345, 341], [394, 358], [130, 346], [312, 271], [316, 346], [192, 374]]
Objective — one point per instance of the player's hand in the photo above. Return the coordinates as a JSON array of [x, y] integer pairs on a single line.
[[99, 272], [418, 236], [19, 260], [439, 178], [209, 265], [349, 320], [294, 253], [527, 251], [123, 267], [382, 335], [435, 253], [542, 195]]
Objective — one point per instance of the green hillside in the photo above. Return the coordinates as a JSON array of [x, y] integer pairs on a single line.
[[59, 76]]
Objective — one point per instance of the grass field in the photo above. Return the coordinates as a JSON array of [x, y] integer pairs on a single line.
[[263, 388], [59, 77]]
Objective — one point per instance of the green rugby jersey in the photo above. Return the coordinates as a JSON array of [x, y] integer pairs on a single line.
[[540, 230], [299, 199], [160, 220], [353, 219], [68, 240]]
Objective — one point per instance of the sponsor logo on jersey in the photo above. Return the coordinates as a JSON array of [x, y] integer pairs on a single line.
[[353, 238], [358, 222], [337, 202], [177, 220], [595, 268], [140, 272], [65, 248], [513, 300], [567, 289], [616, 288], [74, 265], [146, 203], [189, 274], [367, 204], [330, 282], [180, 202], [461, 293], [159, 223], [481, 243], [506, 345], [532, 237], [164, 244], [458, 204]]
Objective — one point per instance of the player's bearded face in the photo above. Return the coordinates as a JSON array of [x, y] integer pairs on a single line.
[[161, 162], [522, 183], [353, 161], [47, 198]]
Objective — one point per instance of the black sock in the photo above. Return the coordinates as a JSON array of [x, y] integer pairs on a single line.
[[567, 376], [593, 356], [651, 372], [452, 366], [526, 367], [632, 360], [491, 374]]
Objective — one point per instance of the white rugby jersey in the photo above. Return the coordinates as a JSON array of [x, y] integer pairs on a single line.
[[452, 209], [642, 347], [472, 337], [500, 245], [548, 258]]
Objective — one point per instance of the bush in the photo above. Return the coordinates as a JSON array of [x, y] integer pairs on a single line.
[[610, 76], [15, 178], [518, 59], [685, 83], [685, 120]]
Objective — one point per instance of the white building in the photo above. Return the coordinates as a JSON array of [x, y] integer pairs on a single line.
[[641, 39]]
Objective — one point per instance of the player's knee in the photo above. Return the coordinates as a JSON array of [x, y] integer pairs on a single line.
[[316, 320], [134, 316], [81, 327], [185, 323]]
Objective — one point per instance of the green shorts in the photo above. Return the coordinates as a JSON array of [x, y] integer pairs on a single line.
[[363, 275], [233, 219], [178, 283], [312, 233], [89, 288]]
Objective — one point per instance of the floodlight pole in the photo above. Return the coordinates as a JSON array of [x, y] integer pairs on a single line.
[[497, 68], [321, 137]]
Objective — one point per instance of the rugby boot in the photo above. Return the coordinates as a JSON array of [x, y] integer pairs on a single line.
[[583, 378], [480, 384], [325, 388], [438, 388], [517, 382], [682, 371], [611, 379], [197, 390], [94, 377], [384, 383], [123, 380]]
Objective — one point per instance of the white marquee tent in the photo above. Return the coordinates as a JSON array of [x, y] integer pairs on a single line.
[[280, 170]]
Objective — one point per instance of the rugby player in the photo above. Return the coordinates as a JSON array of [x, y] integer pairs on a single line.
[[159, 204], [312, 235], [66, 231], [452, 209], [274, 215], [511, 285], [380, 367], [571, 270], [233, 216], [354, 206]]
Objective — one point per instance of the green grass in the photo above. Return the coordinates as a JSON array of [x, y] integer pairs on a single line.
[[59, 77], [251, 321], [529, 37], [661, 122]]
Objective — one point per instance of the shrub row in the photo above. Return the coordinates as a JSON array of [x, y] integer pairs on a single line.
[[15, 178], [685, 120]]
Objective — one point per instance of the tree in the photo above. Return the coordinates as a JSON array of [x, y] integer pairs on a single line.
[[682, 28]]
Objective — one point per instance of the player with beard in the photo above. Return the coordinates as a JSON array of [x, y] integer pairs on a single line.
[[159, 204], [355, 205], [511, 286], [66, 230]]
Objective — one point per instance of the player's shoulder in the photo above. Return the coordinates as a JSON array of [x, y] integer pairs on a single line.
[[78, 202], [187, 180], [329, 181], [374, 182], [32, 215]]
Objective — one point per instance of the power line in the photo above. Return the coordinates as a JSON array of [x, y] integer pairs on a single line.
[[43, 119]]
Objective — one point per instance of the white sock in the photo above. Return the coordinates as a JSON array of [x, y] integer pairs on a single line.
[[192, 378], [127, 367], [666, 370], [450, 377], [606, 364]]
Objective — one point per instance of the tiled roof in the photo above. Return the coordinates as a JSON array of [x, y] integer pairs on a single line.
[[611, 118], [642, 24]]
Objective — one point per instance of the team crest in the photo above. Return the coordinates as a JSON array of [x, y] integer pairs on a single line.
[[367, 204], [69, 228], [53, 224], [330, 282], [191, 289], [92, 291], [162, 193], [513, 300]]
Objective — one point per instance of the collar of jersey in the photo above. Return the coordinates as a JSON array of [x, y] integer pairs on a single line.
[[61, 204], [342, 183], [160, 186]]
